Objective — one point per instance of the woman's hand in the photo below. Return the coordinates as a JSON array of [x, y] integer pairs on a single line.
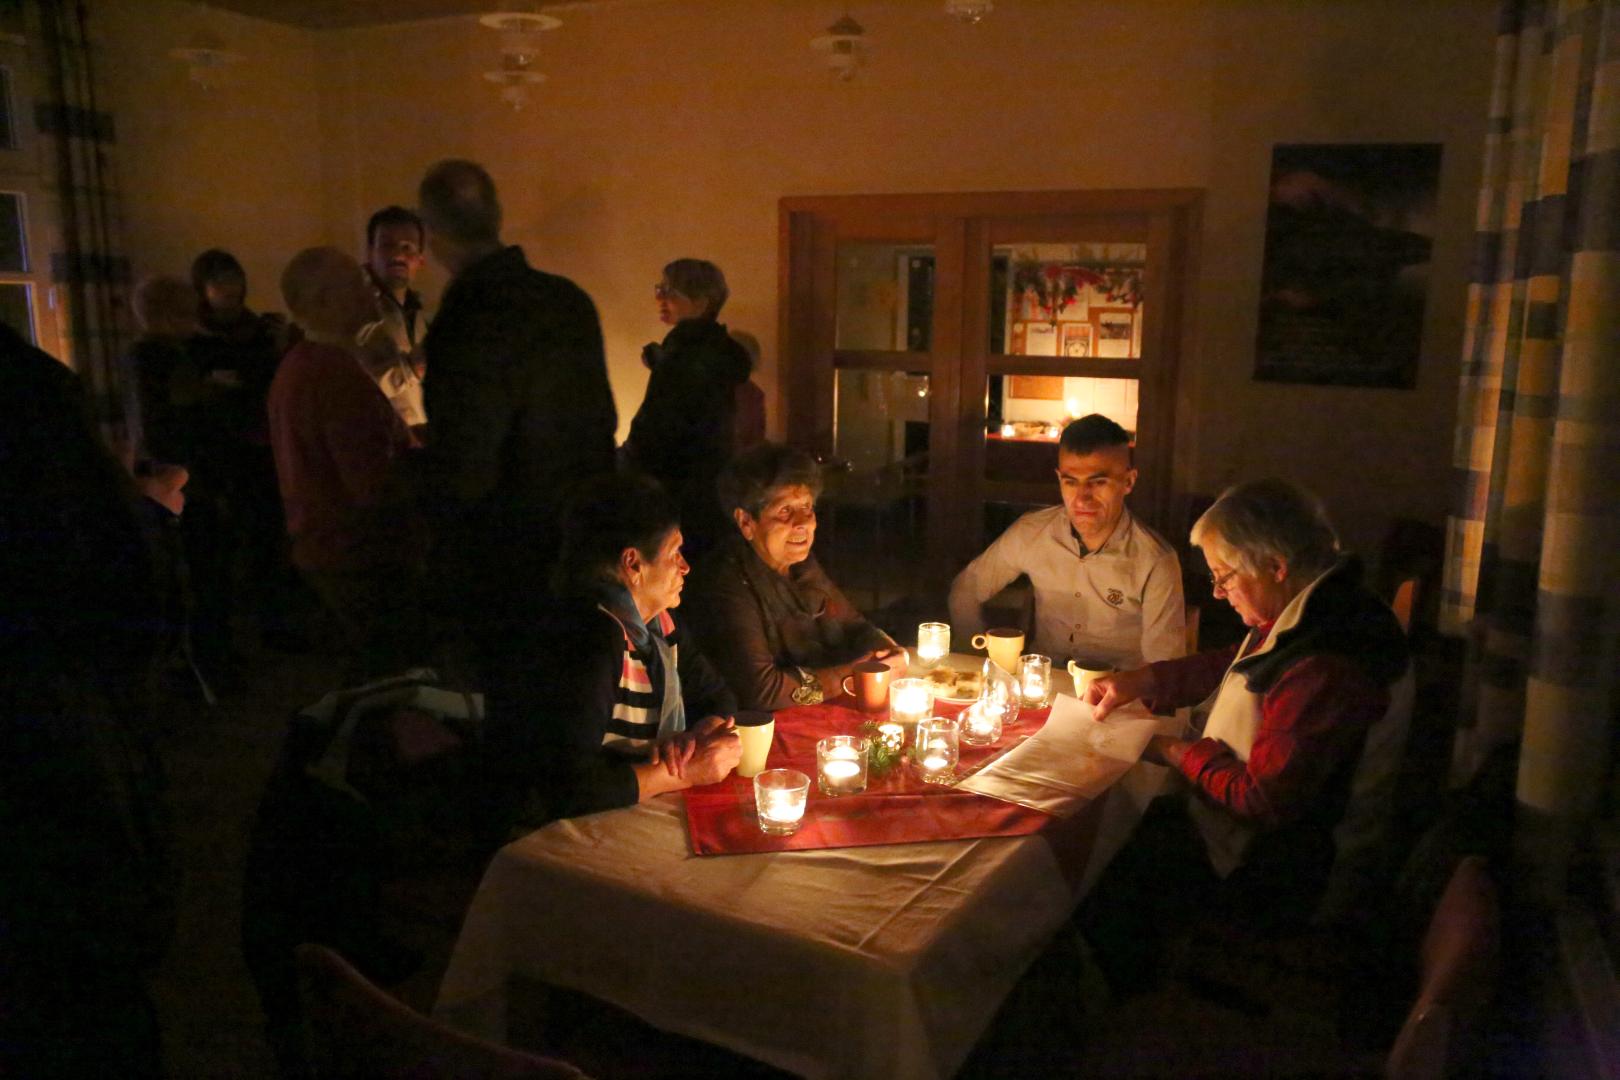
[[1108, 692], [896, 657], [1166, 750], [718, 751], [675, 752]]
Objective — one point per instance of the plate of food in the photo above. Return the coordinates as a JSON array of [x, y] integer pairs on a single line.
[[956, 687]]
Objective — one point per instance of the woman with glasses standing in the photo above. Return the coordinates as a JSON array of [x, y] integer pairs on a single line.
[[683, 435]]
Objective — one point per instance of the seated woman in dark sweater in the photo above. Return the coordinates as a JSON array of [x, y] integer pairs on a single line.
[[780, 631], [611, 707]]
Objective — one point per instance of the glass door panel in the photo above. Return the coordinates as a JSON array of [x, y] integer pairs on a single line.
[[885, 300], [1074, 301], [874, 503]]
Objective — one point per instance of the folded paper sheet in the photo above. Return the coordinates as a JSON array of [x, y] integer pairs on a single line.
[[1070, 761]]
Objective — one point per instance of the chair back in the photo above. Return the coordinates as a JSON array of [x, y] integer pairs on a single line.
[[1459, 961], [357, 1032], [1401, 604]]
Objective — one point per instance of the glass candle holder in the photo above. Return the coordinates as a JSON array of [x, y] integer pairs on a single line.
[[937, 750], [1000, 693], [893, 736], [933, 642], [1035, 679], [910, 700], [779, 798], [841, 764], [981, 726]]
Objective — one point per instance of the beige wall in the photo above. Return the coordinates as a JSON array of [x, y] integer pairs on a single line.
[[237, 167], [672, 129]]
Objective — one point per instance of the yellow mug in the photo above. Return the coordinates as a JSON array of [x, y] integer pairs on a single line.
[[1005, 645]]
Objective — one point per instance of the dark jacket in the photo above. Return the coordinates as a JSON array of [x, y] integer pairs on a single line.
[[518, 400], [546, 751], [760, 626], [685, 432]]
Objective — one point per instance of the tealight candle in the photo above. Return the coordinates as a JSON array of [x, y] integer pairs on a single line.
[[910, 700], [933, 641], [936, 750], [1035, 679], [841, 765], [981, 724], [779, 799]]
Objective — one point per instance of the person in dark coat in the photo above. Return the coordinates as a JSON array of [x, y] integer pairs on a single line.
[[685, 432], [519, 406], [87, 891]]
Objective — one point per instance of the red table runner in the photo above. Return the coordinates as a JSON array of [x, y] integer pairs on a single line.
[[897, 808]]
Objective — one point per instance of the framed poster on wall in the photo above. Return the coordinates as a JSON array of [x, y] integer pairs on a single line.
[[1077, 339], [1115, 330], [1349, 229], [1034, 337]]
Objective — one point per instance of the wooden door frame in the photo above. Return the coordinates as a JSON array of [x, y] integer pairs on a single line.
[[809, 231]]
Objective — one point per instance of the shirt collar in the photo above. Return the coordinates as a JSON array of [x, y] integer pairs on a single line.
[[1115, 541]]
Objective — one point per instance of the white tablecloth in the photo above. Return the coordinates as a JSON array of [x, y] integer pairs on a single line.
[[884, 961]]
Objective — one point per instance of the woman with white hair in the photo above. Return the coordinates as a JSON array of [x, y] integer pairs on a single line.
[[1304, 725]]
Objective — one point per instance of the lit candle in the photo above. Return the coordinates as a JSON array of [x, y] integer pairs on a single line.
[[910, 700], [936, 750], [893, 736], [1008, 431], [841, 764], [783, 807], [933, 641], [981, 724], [1035, 674], [779, 799]]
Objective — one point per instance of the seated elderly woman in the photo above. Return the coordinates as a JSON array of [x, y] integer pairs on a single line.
[[1296, 765], [611, 707], [778, 628]]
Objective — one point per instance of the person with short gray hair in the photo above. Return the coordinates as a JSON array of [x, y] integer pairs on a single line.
[[1303, 727], [685, 431], [764, 611]]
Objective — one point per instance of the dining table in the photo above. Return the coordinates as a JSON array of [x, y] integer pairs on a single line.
[[862, 955]]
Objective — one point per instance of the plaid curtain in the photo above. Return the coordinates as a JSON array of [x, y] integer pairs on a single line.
[[90, 271], [1532, 577]]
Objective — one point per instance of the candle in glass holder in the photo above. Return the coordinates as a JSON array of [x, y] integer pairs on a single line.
[[910, 700], [841, 765], [1001, 693], [933, 641], [779, 799], [981, 725], [1035, 679], [936, 750], [893, 736]]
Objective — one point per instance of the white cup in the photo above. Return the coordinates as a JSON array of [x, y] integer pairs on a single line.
[[756, 730]]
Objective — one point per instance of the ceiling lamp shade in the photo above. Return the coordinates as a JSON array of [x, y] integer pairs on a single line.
[[969, 11], [844, 46], [520, 50], [206, 58]]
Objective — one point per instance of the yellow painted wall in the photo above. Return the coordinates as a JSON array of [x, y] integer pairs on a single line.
[[672, 128], [237, 167]]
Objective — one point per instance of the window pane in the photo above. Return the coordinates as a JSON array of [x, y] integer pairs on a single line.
[[1026, 415], [874, 506], [1078, 300], [17, 309], [885, 296], [13, 246]]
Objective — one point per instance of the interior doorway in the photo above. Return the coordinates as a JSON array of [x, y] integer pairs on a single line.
[[933, 346]]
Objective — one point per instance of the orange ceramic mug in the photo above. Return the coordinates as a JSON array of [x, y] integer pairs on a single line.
[[871, 685]]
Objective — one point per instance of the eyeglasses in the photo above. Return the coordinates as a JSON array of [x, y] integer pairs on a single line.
[[665, 292], [1217, 583]]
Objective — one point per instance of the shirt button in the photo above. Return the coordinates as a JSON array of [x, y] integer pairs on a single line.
[[1079, 596]]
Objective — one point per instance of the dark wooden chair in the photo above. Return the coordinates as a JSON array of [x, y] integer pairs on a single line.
[[357, 1032]]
